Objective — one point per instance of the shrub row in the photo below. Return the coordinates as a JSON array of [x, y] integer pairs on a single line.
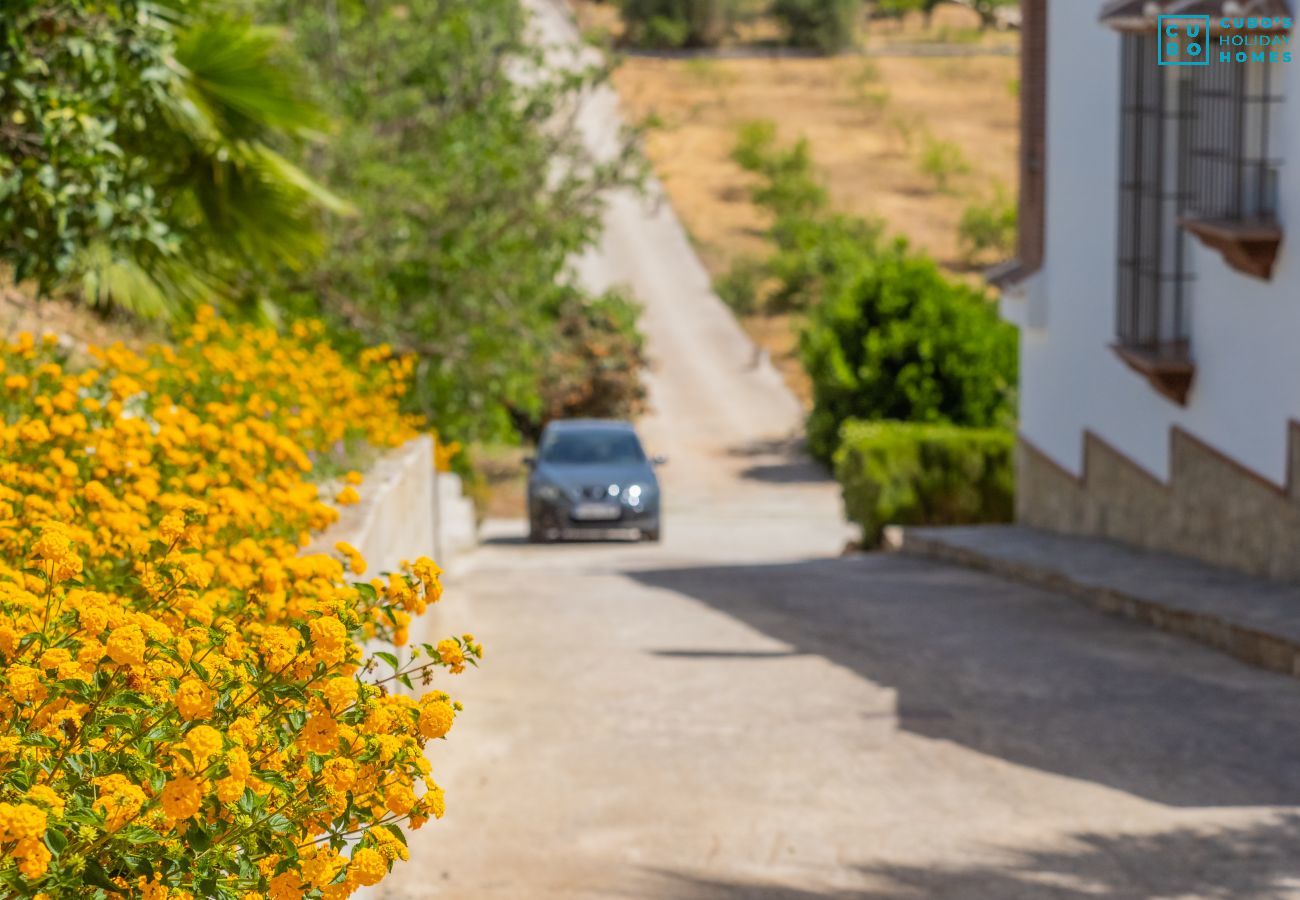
[[182, 693], [915, 474]]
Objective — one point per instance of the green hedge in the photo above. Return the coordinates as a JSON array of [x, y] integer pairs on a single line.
[[899, 473]]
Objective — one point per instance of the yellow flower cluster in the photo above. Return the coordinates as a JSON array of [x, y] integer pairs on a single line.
[[187, 711]]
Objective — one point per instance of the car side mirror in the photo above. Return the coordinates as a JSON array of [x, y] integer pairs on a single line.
[[659, 460]]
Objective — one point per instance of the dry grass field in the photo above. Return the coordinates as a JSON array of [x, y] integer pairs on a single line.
[[911, 140]]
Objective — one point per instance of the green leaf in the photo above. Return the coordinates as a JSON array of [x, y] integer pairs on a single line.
[[139, 834], [56, 840], [279, 824], [94, 874], [129, 699], [198, 839]]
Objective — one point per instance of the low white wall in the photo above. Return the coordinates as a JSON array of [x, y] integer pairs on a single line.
[[407, 510], [456, 525]]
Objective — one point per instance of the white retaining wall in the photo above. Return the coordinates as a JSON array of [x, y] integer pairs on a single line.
[[407, 510]]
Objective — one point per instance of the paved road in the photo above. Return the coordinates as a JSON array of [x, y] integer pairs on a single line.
[[743, 713]]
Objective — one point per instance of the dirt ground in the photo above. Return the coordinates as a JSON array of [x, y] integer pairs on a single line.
[[79, 326], [871, 120], [501, 492]]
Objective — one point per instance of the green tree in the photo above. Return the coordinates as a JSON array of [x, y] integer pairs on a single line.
[[987, 10], [455, 142], [897, 8], [138, 158], [826, 25], [593, 367], [677, 23]]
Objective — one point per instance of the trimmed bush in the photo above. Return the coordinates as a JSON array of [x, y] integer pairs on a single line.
[[826, 25], [739, 288], [811, 252], [789, 185], [911, 474], [942, 161], [988, 228], [892, 338], [812, 243]]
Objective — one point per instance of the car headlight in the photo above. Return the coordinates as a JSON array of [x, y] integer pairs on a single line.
[[548, 492], [634, 494]]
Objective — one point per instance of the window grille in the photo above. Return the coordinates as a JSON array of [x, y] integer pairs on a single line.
[[1152, 315], [1230, 155]]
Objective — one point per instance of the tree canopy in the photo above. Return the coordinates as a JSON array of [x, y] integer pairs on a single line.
[[142, 151]]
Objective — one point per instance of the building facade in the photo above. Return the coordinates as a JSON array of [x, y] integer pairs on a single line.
[[1156, 293]]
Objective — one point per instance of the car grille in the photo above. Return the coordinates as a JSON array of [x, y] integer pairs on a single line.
[[593, 492]]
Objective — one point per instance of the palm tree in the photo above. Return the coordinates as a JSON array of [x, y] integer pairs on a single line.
[[232, 203]]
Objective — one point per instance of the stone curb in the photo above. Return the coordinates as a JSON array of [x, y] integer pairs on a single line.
[[1273, 652]]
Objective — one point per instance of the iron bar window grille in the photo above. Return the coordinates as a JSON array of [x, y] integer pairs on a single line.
[[1152, 310], [1231, 155]]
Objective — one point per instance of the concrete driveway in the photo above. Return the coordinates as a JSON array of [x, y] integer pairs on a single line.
[[743, 713]]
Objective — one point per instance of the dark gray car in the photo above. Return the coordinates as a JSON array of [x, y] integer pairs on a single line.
[[591, 477]]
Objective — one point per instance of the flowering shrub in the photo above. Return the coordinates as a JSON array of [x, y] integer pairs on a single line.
[[186, 709]]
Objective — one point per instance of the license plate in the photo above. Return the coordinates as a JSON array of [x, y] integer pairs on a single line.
[[596, 512]]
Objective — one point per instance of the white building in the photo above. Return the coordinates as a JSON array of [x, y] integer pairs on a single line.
[[1156, 289]]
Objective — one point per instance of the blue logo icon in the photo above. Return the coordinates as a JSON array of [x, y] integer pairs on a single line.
[[1183, 40]]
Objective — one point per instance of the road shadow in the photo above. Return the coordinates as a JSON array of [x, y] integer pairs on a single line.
[[726, 654], [505, 540], [521, 540], [1026, 676], [1256, 862], [780, 461]]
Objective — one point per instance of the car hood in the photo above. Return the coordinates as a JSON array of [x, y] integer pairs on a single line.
[[572, 478]]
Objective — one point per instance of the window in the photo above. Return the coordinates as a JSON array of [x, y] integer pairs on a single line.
[[1152, 326], [1233, 164], [599, 446]]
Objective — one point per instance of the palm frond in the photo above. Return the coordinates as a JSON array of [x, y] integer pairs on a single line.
[[146, 285], [235, 75]]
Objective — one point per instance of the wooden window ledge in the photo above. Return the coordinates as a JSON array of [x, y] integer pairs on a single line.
[[1248, 246], [1169, 370]]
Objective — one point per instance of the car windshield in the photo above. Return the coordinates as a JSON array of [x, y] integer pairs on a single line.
[[595, 447]]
